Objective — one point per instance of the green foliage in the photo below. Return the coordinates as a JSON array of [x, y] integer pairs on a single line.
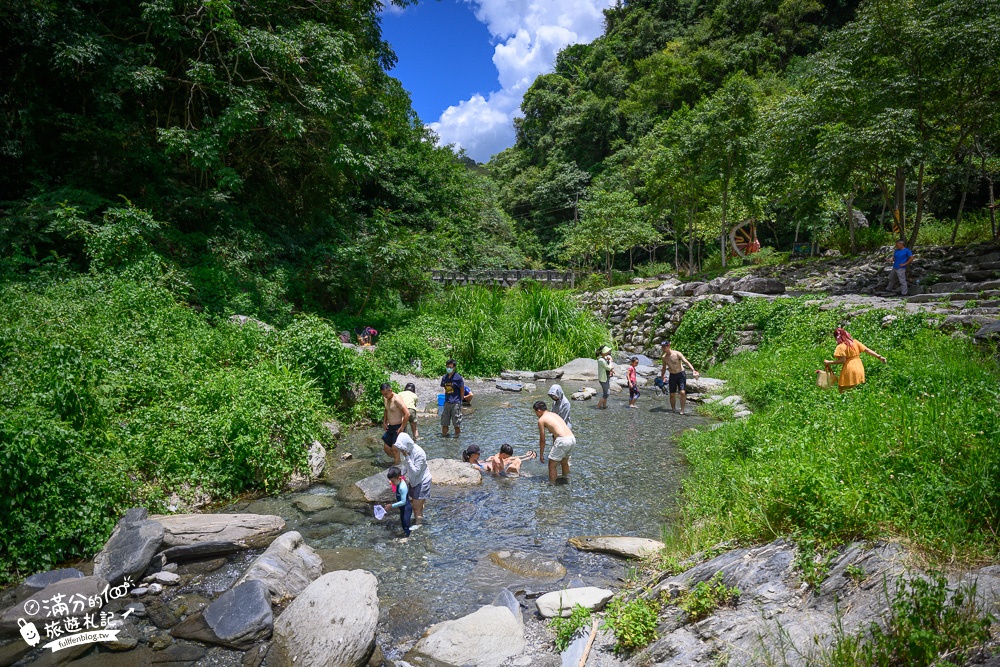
[[115, 395], [908, 452], [566, 628], [489, 330], [925, 624], [707, 596], [856, 573], [633, 623], [812, 565]]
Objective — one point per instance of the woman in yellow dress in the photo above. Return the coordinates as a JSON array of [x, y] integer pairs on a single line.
[[848, 354]]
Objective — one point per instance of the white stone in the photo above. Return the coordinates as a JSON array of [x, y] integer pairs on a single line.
[[628, 547], [485, 638], [330, 624], [561, 603]]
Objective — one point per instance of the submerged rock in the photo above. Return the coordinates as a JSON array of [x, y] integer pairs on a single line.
[[529, 564], [627, 547]]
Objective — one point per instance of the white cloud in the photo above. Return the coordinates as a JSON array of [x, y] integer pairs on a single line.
[[530, 34]]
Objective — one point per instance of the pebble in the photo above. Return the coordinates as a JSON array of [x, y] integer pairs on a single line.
[[155, 589], [163, 577], [141, 590]]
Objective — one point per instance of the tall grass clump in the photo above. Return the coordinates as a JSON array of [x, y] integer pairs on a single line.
[[490, 330], [115, 394], [913, 452]]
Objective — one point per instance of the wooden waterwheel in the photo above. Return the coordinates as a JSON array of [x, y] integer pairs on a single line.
[[743, 238]]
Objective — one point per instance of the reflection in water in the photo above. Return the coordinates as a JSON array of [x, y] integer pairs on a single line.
[[625, 472]]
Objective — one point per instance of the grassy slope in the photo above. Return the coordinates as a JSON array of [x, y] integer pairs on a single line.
[[913, 453]]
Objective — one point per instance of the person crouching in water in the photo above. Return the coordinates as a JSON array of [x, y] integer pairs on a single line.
[[505, 463], [560, 404], [399, 487], [563, 439]]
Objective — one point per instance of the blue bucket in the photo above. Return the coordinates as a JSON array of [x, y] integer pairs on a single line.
[[440, 400]]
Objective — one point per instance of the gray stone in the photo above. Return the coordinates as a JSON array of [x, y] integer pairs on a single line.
[[331, 623], [243, 320], [213, 532], [731, 400], [506, 599], [627, 547], [37, 582], [86, 586], [510, 386], [579, 369], [130, 549], [452, 472], [485, 638], [165, 578], [375, 488], [517, 375], [561, 603], [584, 394], [286, 568], [704, 385], [991, 330], [554, 374], [758, 285], [529, 564], [237, 619], [314, 502], [126, 639], [742, 414], [317, 459]]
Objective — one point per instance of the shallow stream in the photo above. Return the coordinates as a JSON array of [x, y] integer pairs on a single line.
[[625, 473]]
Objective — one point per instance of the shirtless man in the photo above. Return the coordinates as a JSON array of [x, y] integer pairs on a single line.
[[396, 414], [563, 439], [673, 361]]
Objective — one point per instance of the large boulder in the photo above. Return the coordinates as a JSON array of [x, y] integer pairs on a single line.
[[131, 548], [561, 603], [200, 535], [554, 374], [375, 488], [991, 330], [579, 369], [238, 618], [510, 386], [626, 547], [529, 564], [331, 623], [452, 472], [286, 568], [45, 604], [759, 285], [704, 385], [485, 638], [37, 582], [317, 459]]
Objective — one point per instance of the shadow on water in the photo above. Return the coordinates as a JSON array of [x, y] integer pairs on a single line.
[[625, 472]]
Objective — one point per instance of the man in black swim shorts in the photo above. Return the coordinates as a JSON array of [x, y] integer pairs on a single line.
[[677, 382]]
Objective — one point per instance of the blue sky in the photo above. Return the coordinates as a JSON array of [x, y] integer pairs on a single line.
[[467, 63]]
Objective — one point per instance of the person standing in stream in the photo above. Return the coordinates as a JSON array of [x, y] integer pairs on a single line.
[[454, 389], [674, 361], [394, 419], [417, 473]]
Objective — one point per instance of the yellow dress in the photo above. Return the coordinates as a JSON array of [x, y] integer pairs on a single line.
[[853, 371]]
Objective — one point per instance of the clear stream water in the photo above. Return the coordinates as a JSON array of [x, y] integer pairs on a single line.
[[625, 473]]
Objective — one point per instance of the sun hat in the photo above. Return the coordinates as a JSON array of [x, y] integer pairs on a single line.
[[605, 349]]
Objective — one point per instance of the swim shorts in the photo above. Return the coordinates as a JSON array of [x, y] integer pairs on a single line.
[[391, 433], [678, 382], [451, 413], [562, 448], [421, 491]]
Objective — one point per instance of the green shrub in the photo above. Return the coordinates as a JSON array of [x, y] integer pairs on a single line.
[[113, 394], [908, 452], [923, 626], [633, 623], [866, 239], [566, 628], [707, 596], [813, 566]]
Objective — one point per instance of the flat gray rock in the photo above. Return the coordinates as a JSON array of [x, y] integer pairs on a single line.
[[42, 602], [314, 502], [517, 375], [130, 549], [627, 547], [249, 531], [579, 369], [37, 582], [452, 472], [554, 374], [510, 386], [561, 603], [528, 564], [485, 638], [287, 567], [331, 623], [375, 488], [237, 619]]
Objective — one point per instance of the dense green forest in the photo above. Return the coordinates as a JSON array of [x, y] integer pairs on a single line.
[[690, 115]]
